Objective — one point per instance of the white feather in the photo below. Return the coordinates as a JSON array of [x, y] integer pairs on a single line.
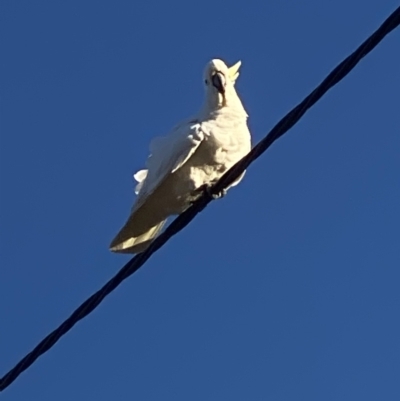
[[196, 152]]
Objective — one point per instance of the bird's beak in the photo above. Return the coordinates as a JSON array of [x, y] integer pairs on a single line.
[[218, 81], [234, 71]]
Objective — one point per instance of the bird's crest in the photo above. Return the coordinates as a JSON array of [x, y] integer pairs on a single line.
[[234, 71]]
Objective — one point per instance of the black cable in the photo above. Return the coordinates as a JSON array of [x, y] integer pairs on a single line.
[[185, 218]]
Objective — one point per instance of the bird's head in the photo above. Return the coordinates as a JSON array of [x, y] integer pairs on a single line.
[[219, 81]]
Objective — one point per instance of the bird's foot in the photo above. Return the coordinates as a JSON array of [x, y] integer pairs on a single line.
[[206, 188], [221, 194]]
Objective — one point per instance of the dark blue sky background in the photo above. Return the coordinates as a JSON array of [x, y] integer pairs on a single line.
[[287, 289]]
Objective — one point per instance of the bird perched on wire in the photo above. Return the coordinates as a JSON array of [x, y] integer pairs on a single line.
[[193, 156]]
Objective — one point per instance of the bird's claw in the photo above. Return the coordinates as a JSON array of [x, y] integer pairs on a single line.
[[206, 189], [218, 195]]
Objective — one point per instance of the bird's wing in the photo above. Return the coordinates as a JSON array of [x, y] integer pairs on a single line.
[[140, 177], [168, 154]]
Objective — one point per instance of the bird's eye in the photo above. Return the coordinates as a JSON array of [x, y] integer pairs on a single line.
[[206, 81]]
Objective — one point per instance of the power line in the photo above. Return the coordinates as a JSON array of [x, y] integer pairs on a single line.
[[185, 218]]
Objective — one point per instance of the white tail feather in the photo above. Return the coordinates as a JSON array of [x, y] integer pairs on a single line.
[[135, 244]]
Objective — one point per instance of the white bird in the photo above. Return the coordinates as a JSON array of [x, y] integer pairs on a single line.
[[195, 154]]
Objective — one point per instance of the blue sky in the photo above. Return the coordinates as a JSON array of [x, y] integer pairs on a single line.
[[288, 288]]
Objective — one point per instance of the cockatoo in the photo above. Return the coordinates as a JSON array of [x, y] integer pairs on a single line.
[[195, 154]]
